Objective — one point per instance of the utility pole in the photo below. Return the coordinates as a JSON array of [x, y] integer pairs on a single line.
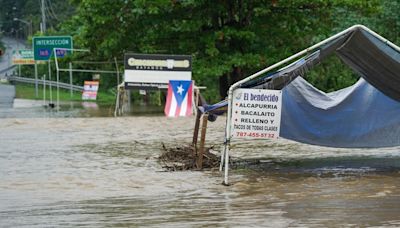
[[43, 17]]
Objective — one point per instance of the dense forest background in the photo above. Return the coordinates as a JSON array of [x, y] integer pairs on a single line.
[[228, 39]]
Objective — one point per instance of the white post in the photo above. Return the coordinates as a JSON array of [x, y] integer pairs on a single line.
[[226, 164], [228, 133], [194, 101], [221, 163], [116, 66], [44, 90], [58, 90], [36, 81], [51, 94], [70, 79], [19, 70], [117, 103], [43, 28]]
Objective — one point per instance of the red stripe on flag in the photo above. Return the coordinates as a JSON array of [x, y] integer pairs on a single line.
[[177, 111], [189, 100], [168, 102]]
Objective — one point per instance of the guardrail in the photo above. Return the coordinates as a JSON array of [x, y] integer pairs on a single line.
[[41, 82], [7, 69]]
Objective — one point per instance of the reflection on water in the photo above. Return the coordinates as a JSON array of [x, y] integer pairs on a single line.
[[103, 172], [22, 108]]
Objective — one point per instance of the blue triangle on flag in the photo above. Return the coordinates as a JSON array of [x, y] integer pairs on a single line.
[[180, 89]]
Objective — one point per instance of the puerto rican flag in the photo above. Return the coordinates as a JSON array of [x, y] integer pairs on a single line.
[[179, 99]]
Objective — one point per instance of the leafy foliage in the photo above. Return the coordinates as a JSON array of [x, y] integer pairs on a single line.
[[56, 11], [228, 39]]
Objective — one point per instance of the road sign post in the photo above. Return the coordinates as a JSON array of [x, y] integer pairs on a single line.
[[45, 47], [70, 79], [36, 81]]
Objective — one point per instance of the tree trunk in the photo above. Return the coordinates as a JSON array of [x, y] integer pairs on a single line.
[[226, 80], [223, 86]]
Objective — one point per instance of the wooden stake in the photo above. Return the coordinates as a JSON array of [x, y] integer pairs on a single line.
[[196, 130], [200, 153]]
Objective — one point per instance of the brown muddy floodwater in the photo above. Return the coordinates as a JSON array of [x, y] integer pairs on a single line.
[[103, 172]]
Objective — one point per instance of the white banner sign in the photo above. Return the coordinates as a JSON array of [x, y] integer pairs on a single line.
[[90, 89], [256, 113], [146, 70]]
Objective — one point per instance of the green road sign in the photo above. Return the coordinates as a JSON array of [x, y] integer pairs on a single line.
[[25, 54], [22, 57], [43, 46]]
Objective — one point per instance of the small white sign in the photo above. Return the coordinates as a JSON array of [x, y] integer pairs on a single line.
[[90, 90], [256, 113]]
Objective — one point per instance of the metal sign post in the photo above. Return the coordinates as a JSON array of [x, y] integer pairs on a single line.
[[58, 90], [50, 89], [70, 78], [44, 90], [36, 81]]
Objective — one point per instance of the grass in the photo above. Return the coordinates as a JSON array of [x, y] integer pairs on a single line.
[[24, 91]]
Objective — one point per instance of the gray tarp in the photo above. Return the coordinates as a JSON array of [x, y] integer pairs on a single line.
[[375, 61], [371, 58], [366, 114], [357, 116]]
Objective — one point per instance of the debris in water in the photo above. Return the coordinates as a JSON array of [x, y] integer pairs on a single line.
[[184, 158]]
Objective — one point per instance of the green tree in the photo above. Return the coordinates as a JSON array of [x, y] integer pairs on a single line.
[[228, 39], [56, 11]]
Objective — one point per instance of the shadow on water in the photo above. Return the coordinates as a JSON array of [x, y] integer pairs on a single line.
[[321, 167]]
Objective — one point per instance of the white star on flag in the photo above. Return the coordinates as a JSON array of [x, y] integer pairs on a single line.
[[180, 89]]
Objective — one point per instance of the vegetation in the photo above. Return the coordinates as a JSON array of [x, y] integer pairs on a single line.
[[57, 12], [28, 92], [228, 40]]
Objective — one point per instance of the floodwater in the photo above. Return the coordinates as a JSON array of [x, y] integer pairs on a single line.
[[103, 172]]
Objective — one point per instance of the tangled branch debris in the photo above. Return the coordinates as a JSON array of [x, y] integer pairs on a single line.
[[184, 158]]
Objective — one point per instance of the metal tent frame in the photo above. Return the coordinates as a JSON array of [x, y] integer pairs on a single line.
[[225, 154]]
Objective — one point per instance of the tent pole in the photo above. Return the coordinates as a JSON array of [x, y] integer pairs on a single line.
[[221, 163], [305, 51], [226, 164], [228, 135], [388, 42]]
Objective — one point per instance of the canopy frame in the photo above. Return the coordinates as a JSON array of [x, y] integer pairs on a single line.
[[227, 142]]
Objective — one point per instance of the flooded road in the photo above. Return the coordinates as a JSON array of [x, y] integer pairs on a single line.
[[103, 172]]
